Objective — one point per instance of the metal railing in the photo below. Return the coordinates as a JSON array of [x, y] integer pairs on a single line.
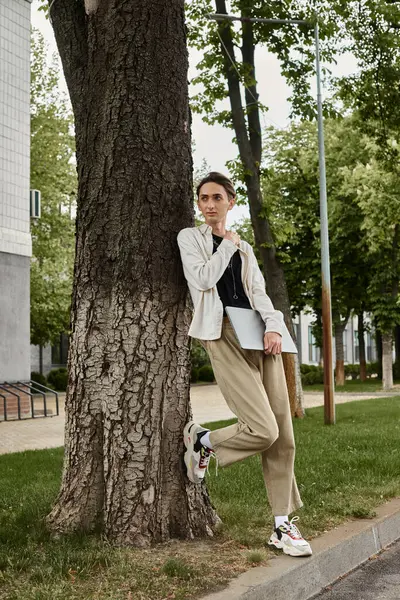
[[30, 388]]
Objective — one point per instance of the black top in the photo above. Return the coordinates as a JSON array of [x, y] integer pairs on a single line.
[[230, 286]]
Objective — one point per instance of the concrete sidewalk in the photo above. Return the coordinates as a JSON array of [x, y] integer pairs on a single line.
[[207, 403], [335, 554]]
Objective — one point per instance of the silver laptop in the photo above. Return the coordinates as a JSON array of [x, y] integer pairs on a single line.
[[250, 328]]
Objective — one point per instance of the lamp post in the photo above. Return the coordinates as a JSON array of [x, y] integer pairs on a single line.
[[329, 402]]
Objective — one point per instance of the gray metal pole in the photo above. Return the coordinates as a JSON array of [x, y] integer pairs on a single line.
[[325, 264]]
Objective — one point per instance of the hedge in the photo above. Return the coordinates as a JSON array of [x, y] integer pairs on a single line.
[[38, 377], [58, 379]]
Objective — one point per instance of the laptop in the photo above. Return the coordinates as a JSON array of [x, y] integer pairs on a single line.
[[250, 328]]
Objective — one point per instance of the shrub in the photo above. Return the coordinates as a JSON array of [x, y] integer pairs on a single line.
[[373, 369], [206, 373], [198, 355], [58, 379], [304, 369], [38, 377], [352, 371], [308, 379], [313, 375], [194, 375]]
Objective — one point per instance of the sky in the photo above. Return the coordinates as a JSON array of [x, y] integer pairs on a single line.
[[214, 143]]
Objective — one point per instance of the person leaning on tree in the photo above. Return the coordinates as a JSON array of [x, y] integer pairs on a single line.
[[221, 270]]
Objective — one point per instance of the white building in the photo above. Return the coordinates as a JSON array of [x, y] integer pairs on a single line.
[[15, 237], [310, 354], [50, 357]]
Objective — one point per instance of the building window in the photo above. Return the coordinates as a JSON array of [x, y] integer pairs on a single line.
[[313, 350], [59, 352], [345, 345]]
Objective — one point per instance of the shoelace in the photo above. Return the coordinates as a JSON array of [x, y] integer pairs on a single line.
[[205, 456], [292, 527], [204, 462]]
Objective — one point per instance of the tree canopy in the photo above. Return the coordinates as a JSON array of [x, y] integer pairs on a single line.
[[53, 173]]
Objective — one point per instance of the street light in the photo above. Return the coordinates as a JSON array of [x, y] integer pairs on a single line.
[[329, 402]]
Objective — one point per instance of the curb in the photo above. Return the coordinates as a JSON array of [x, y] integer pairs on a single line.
[[335, 554]]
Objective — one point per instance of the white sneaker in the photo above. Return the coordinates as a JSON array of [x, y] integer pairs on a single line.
[[288, 538], [196, 456]]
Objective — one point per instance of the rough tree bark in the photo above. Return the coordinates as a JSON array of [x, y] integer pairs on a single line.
[[128, 394], [391, 291], [397, 347], [387, 360], [249, 141], [340, 325], [361, 347]]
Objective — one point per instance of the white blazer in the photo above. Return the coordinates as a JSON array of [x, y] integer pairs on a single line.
[[203, 270]]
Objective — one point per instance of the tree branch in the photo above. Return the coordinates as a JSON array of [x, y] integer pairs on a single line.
[[239, 122], [251, 95], [70, 29]]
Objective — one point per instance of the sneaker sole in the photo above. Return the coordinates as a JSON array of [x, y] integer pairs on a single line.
[[291, 550]]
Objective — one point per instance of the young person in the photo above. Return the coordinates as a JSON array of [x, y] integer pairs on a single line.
[[221, 270]]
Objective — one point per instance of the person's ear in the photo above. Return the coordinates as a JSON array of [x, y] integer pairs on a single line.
[[232, 202]]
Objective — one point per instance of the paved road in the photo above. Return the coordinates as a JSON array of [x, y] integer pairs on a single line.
[[207, 403], [378, 579]]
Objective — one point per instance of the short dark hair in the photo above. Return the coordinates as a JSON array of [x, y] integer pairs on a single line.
[[219, 178]]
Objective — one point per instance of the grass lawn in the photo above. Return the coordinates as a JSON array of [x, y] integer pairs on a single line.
[[353, 386], [343, 472]]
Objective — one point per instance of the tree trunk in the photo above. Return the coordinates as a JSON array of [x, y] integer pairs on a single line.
[[129, 366], [387, 361], [249, 141], [397, 349], [339, 348], [379, 351], [41, 359], [361, 347]]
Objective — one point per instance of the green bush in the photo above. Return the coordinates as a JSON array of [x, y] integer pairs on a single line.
[[304, 369], [313, 375], [352, 371], [194, 375], [58, 379], [373, 369], [308, 379], [38, 377], [198, 355], [206, 373]]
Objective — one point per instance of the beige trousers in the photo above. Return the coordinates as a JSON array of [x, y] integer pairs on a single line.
[[254, 387]]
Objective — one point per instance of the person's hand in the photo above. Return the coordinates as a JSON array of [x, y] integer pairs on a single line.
[[272, 343], [233, 237]]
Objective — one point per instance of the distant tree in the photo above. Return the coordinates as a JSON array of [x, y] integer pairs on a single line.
[[291, 186], [371, 34], [54, 174], [378, 198]]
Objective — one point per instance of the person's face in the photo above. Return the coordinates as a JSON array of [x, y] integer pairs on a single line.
[[214, 203]]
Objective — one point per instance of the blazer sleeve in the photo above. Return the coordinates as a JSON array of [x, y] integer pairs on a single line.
[[200, 273], [272, 318]]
